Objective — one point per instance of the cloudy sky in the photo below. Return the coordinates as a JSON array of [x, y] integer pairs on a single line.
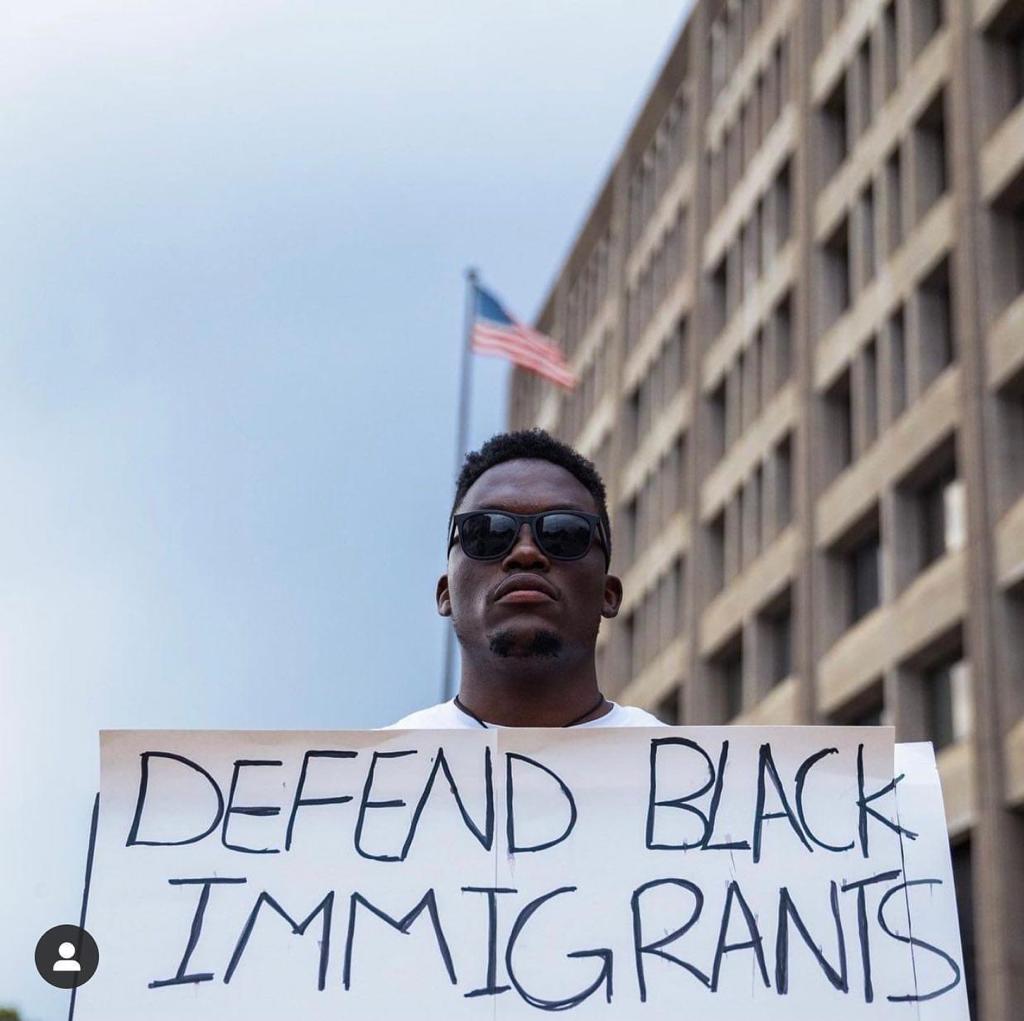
[[233, 238]]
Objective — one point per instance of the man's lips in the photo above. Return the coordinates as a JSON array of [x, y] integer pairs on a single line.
[[525, 595], [525, 589]]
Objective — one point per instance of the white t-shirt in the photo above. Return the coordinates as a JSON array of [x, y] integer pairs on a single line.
[[448, 716]]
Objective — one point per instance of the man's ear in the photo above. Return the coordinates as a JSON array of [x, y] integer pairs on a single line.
[[444, 600], [612, 596]]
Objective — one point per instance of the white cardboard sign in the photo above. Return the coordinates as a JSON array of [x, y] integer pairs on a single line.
[[629, 873]]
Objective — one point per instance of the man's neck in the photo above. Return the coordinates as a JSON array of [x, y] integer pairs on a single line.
[[531, 692]]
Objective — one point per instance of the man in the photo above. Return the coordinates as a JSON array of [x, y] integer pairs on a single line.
[[529, 546]]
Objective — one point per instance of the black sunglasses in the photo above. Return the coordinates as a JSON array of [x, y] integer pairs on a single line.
[[561, 534]]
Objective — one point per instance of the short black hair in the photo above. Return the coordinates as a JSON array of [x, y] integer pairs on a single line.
[[539, 445]]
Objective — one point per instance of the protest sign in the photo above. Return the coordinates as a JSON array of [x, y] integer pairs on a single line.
[[614, 873]]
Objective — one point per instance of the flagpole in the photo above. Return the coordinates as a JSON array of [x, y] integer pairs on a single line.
[[461, 442]]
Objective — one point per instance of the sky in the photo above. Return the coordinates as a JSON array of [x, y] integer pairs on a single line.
[[233, 238]]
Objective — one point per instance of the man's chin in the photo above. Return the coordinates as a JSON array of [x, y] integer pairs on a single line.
[[525, 643]]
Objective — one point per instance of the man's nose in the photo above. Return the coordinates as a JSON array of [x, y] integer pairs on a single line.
[[525, 552]]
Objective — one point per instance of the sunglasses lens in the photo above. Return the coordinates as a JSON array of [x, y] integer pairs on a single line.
[[487, 535], [566, 536]]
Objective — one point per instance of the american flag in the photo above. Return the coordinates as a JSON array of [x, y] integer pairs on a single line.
[[498, 333]]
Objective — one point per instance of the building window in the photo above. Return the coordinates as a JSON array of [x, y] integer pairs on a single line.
[[628, 530], [839, 425], [863, 579], [782, 322], [936, 306], [948, 701], [631, 644], [719, 291], [667, 709], [1004, 69], [719, 409], [865, 99], [780, 644], [890, 39], [756, 509], [960, 855], [867, 709], [716, 552], [929, 139], [1007, 223], [942, 514], [927, 19], [783, 484], [783, 206], [728, 676], [835, 262], [897, 364], [894, 199], [835, 129], [870, 357], [867, 234], [1010, 440]]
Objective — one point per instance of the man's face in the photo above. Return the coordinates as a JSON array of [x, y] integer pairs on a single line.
[[577, 593]]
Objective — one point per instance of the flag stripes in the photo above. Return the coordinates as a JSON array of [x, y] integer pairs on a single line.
[[496, 332]]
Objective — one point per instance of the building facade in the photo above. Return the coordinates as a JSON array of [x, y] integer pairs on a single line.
[[796, 309]]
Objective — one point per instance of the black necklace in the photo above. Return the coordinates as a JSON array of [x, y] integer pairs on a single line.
[[582, 716]]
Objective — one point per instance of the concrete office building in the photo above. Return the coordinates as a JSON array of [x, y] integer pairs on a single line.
[[797, 312]]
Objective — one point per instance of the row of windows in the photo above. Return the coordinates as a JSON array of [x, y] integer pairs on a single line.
[[1009, 409], [862, 399], [762, 236], [930, 522], [760, 370], [759, 509], [656, 620], [731, 33], [741, 140], [587, 292], [773, 662], [666, 264], [1003, 78], [868, 82], [850, 257], [665, 378], [662, 495], [926, 17], [658, 165], [939, 682]]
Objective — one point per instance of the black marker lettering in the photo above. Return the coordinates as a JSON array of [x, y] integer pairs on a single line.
[[326, 906], [766, 767], [402, 925], [787, 910], [181, 977], [133, 835], [640, 948], [485, 835], [510, 824], [862, 925], [754, 943], [299, 801], [491, 988], [365, 803], [716, 780], [864, 802], [604, 977], [913, 941], [801, 779], [254, 810]]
